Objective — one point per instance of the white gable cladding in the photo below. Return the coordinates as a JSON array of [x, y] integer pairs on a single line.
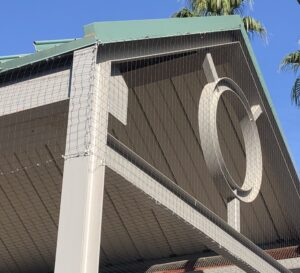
[[115, 173], [34, 92]]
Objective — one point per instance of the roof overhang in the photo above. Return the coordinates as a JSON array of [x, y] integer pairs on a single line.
[[124, 31]]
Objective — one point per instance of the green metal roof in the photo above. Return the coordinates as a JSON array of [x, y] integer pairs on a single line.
[[8, 58], [45, 54], [112, 32], [42, 45]]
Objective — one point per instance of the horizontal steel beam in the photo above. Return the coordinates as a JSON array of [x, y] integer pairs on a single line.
[[217, 234]]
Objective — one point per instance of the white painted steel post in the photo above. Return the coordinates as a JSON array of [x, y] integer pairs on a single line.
[[79, 231]]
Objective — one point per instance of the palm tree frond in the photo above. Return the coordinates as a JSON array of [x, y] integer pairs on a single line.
[[210, 7], [295, 96], [198, 6], [291, 61], [216, 6], [226, 7], [183, 13], [237, 4], [254, 26]]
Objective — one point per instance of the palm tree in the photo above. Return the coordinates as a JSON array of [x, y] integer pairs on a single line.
[[292, 62], [197, 8]]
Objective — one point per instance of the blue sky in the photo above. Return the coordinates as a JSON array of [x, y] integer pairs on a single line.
[[22, 22]]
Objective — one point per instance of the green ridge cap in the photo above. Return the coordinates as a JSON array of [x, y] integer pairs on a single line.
[[119, 31], [8, 58], [42, 45]]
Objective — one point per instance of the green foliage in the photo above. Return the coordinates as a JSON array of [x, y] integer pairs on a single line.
[[212, 7], [222, 7], [184, 13], [296, 92], [292, 62], [253, 26]]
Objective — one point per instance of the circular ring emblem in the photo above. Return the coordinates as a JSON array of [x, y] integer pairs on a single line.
[[207, 118]]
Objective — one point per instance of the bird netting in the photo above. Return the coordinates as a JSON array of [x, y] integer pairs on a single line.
[[170, 202]]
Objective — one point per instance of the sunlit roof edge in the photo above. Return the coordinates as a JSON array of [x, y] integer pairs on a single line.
[[119, 31]]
